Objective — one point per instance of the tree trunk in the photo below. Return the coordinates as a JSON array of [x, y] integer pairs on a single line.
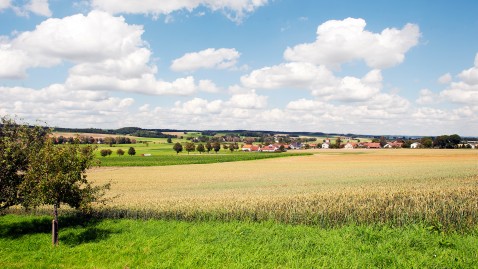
[[54, 227]]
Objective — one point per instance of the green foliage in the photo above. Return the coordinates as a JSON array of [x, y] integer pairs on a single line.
[[208, 147], [207, 244], [56, 175], [17, 143], [131, 151], [120, 152], [216, 146], [190, 147], [107, 152], [178, 147], [200, 148]]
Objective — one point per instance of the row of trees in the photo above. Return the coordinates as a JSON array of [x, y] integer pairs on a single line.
[[201, 148], [92, 140], [119, 152], [35, 172]]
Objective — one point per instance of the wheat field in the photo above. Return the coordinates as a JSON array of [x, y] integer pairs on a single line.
[[437, 187]]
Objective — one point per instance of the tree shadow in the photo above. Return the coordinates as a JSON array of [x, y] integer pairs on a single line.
[[88, 235], [85, 229]]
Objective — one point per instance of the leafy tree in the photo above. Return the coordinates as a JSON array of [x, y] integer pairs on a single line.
[[56, 176], [216, 146], [131, 151], [104, 152], [169, 140], [120, 152], [282, 148], [208, 147], [200, 148], [17, 143], [231, 148], [382, 141], [427, 142], [178, 147], [338, 141], [224, 146], [190, 147]]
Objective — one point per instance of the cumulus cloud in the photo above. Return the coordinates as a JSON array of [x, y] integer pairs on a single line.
[[319, 80], [235, 10], [208, 59], [58, 105], [99, 39], [347, 40], [464, 91], [289, 75], [249, 100]]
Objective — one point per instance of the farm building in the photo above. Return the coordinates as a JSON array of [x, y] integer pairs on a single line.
[[325, 145], [270, 148], [415, 145], [350, 145]]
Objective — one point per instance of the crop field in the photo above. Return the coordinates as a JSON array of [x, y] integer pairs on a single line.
[[330, 188]]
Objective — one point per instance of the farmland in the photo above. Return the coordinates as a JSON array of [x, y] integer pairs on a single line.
[[335, 208], [329, 188]]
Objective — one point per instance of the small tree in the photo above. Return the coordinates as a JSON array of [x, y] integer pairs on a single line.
[[131, 151], [200, 148], [208, 147], [231, 148], [190, 147], [56, 175], [120, 152], [216, 146], [169, 140], [104, 152], [178, 147]]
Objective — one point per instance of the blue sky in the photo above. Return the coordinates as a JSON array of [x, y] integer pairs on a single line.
[[374, 67]]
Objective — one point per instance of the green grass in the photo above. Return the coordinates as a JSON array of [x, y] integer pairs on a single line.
[[162, 159], [25, 242]]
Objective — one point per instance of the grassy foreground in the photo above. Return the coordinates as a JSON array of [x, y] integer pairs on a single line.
[[25, 242]]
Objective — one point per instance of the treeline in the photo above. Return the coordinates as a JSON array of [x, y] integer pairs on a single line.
[[132, 131], [92, 140]]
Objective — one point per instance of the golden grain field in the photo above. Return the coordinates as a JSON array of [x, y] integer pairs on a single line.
[[329, 188]]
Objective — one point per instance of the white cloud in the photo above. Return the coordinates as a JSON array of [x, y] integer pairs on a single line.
[[427, 97], [317, 79], [99, 39], [59, 106], [289, 75], [235, 10], [249, 100], [466, 90], [209, 59], [344, 41], [39, 7], [4, 4], [208, 86], [146, 84], [445, 78]]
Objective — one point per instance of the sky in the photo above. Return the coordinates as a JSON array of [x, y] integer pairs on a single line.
[[391, 67]]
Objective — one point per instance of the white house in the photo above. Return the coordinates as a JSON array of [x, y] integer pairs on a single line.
[[415, 145], [325, 145]]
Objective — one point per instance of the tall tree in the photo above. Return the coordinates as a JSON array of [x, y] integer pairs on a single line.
[[131, 151]]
